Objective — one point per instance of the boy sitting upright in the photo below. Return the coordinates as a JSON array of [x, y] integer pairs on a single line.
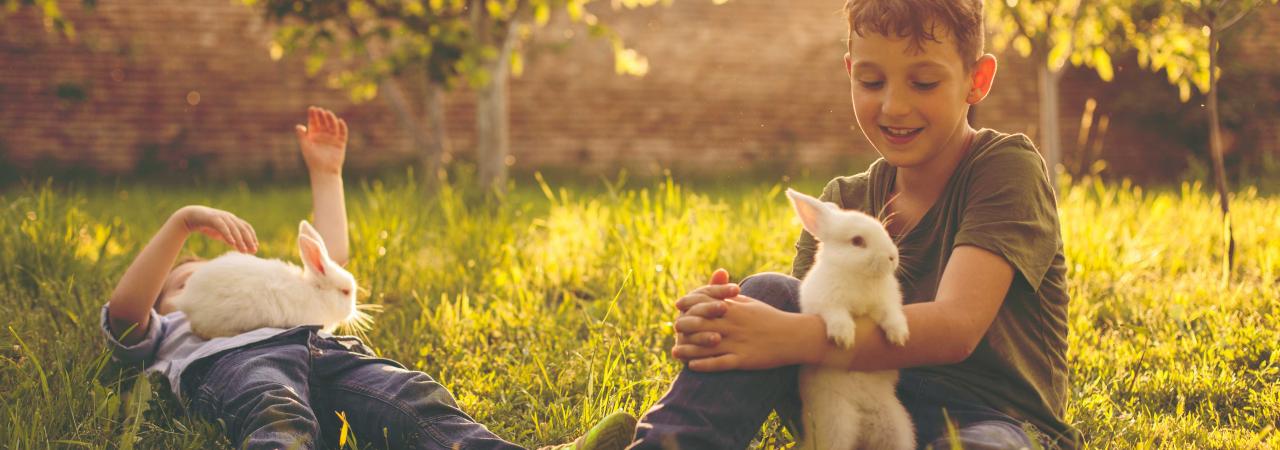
[[982, 266]]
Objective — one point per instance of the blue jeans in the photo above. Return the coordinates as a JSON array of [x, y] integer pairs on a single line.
[[724, 410], [285, 393]]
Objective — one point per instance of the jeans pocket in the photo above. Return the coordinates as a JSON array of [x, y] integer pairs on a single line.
[[448, 430]]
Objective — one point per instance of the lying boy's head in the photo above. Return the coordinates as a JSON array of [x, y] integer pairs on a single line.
[[915, 67], [176, 281]]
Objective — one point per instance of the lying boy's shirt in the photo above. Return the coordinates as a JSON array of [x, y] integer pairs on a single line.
[[999, 199], [170, 347]]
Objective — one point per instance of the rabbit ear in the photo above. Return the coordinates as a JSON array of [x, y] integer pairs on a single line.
[[313, 255], [811, 211], [305, 229]]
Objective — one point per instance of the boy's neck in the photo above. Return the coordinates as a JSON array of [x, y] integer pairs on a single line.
[[926, 181]]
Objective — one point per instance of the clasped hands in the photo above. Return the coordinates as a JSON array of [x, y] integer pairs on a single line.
[[719, 329]]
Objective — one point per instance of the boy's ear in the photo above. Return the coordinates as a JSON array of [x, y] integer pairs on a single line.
[[980, 79], [848, 63]]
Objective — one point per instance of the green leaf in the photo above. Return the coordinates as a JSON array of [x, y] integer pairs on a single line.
[[542, 14], [517, 64], [1102, 62], [574, 8], [1022, 45]]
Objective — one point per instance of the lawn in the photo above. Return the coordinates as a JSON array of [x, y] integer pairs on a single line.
[[552, 308]]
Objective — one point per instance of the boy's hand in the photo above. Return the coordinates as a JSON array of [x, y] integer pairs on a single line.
[[707, 302], [220, 225], [323, 141]]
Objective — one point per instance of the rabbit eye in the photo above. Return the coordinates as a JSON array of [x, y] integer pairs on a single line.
[[858, 241], [346, 292]]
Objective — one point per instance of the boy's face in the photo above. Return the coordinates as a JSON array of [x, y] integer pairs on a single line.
[[911, 103], [174, 283]]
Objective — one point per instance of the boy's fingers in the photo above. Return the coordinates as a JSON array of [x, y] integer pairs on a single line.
[[694, 324], [694, 298], [703, 339], [342, 129], [241, 242], [301, 130], [720, 291], [720, 276], [313, 118], [710, 310], [251, 238], [330, 122], [225, 231], [706, 294], [691, 352]]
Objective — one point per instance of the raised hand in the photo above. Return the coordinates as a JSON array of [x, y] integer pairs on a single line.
[[323, 140], [220, 225]]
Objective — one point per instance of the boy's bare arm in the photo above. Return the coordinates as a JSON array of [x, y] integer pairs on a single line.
[[747, 334], [944, 331], [324, 145], [140, 286]]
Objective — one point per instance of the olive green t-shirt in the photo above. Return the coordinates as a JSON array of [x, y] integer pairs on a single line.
[[999, 199]]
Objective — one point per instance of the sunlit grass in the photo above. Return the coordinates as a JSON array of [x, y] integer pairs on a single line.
[[548, 310]]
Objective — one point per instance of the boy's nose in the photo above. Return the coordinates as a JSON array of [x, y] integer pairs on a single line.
[[895, 104]]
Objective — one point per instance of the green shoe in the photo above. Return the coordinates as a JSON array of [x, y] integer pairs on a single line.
[[613, 432]]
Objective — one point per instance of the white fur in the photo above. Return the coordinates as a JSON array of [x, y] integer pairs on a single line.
[[844, 409], [236, 292]]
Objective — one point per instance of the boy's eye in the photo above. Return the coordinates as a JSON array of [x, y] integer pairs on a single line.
[[925, 86], [871, 84]]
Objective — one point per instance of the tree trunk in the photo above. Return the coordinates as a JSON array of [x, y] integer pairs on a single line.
[[493, 138], [1215, 151], [426, 142], [437, 150], [1050, 133]]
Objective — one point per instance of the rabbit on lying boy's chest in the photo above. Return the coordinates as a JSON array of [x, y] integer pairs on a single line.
[[852, 276], [236, 292]]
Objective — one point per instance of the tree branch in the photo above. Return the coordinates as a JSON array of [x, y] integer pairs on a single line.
[[1022, 26], [1243, 12]]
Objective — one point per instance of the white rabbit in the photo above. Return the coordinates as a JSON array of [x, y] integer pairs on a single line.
[[852, 276], [236, 292]]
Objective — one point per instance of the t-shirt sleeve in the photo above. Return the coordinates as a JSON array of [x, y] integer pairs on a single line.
[[1010, 210], [807, 245], [141, 351]]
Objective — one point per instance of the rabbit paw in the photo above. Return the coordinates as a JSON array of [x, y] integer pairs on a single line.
[[896, 332], [841, 330]]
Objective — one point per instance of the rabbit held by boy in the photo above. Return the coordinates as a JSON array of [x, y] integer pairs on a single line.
[[852, 276], [237, 292]]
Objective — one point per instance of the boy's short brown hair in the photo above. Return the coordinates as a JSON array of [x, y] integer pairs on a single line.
[[917, 19]]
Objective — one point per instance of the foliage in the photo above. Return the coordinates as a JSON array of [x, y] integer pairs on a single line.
[[1082, 32], [546, 311], [1173, 36], [373, 40], [366, 41]]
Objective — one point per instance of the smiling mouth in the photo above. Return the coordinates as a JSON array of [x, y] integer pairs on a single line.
[[900, 135]]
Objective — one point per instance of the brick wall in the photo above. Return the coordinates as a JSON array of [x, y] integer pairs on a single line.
[[166, 83]]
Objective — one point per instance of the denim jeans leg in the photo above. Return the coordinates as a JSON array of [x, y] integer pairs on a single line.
[[986, 435], [391, 407], [932, 405], [261, 397], [724, 410]]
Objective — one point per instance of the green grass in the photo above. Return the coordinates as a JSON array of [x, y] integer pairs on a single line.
[[547, 311]]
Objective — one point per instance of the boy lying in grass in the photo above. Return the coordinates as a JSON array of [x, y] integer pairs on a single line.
[[982, 267], [273, 388]]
